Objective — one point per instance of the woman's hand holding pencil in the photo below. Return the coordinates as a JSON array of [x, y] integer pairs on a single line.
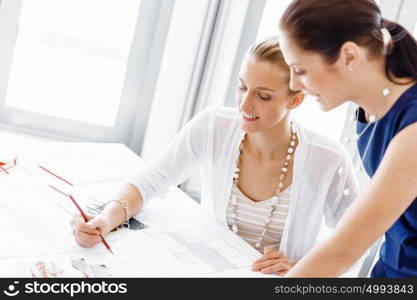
[[87, 234]]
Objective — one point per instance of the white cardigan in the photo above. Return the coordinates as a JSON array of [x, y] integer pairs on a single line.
[[323, 179]]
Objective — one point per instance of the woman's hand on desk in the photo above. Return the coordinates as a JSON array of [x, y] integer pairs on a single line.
[[87, 234], [273, 261]]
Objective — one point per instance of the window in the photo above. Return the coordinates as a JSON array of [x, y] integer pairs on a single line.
[[270, 17], [69, 66], [80, 69]]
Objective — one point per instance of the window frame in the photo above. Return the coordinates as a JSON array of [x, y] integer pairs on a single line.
[[191, 58]]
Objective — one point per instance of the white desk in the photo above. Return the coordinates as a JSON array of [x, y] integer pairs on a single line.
[[35, 219]]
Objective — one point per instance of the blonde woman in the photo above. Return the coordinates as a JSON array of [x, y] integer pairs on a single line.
[[264, 176]]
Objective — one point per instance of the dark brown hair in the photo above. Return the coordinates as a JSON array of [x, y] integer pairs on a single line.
[[323, 26]]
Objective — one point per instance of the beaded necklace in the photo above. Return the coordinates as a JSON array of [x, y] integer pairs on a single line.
[[279, 189]]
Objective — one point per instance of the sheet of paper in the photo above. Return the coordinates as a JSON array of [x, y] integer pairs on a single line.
[[175, 243], [186, 253], [178, 243]]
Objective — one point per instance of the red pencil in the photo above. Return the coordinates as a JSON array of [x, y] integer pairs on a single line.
[[75, 203], [86, 220], [53, 174]]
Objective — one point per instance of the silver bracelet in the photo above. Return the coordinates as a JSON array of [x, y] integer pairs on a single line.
[[125, 205]]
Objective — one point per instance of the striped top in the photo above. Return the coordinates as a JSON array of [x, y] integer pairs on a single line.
[[251, 216]]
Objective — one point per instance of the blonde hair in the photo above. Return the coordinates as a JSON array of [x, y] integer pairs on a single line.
[[269, 50]]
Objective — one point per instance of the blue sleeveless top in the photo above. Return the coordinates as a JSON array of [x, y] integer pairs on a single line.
[[398, 254]]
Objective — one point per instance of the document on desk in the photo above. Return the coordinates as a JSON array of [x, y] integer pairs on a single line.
[[176, 243], [189, 252]]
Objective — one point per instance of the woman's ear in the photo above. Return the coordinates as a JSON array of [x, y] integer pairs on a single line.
[[349, 56], [296, 100]]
